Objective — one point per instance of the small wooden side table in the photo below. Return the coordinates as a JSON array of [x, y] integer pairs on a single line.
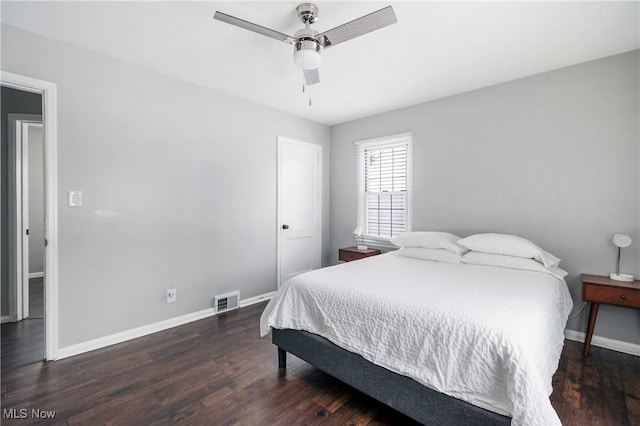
[[348, 254], [598, 289]]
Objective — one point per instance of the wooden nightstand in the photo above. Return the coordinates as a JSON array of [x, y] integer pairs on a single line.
[[352, 253], [597, 289]]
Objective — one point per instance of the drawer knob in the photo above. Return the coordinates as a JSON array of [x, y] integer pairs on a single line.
[[623, 297]]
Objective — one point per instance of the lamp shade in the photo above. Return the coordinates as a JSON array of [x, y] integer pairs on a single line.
[[359, 234], [621, 240], [307, 59]]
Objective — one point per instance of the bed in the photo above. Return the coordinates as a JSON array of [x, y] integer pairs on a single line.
[[443, 335]]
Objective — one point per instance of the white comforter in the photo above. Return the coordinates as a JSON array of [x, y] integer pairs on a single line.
[[489, 336]]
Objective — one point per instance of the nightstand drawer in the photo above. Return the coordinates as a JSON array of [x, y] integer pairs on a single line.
[[611, 295], [348, 256], [598, 289], [353, 253]]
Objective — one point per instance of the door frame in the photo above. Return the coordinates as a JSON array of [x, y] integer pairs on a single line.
[[48, 91], [318, 148], [18, 125]]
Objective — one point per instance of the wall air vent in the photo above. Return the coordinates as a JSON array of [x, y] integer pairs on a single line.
[[226, 302]]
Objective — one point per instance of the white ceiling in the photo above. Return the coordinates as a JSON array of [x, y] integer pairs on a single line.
[[435, 50]]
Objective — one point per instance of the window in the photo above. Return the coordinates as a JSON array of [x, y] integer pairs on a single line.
[[384, 186]]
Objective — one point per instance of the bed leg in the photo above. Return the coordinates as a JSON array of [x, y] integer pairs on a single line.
[[282, 358]]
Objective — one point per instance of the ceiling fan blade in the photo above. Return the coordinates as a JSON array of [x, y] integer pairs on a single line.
[[311, 76], [358, 27], [253, 27]]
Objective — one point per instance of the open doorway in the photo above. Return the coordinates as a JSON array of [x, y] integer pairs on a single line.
[[23, 228]]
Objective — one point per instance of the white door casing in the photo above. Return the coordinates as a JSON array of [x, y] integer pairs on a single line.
[[48, 91], [299, 208]]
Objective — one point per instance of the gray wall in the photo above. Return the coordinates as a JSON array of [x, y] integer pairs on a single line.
[[179, 180], [11, 101], [36, 200], [553, 158], [179, 186]]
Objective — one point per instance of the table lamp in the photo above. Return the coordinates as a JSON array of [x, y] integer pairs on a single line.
[[621, 241], [359, 234]]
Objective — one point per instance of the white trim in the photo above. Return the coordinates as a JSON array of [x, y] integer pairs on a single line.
[[132, 334], [400, 137], [48, 91], [604, 342], [36, 275], [360, 146], [124, 336], [18, 189], [256, 299], [4, 318], [23, 135]]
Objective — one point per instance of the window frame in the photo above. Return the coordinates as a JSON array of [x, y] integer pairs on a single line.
[[361, 219]]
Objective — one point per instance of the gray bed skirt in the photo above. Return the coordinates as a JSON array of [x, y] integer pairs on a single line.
[[399, 392]]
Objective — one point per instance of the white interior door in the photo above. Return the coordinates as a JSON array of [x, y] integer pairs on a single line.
[[25, 130], [24, 207], [299, 207]]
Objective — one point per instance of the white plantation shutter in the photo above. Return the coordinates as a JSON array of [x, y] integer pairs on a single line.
[[384, 186]]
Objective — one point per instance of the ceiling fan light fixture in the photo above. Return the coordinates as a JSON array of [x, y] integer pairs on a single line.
[[308, 43], [307, 54]]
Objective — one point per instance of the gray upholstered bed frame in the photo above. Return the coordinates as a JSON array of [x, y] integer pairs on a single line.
[[399, 392]]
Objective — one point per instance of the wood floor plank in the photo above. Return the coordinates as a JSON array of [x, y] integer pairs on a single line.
[[218, 371], [633, 409]]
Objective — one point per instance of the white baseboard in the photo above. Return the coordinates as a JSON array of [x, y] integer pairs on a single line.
[[4, 318], [603, 342], [36, 275], [257, 299], [102, 342]]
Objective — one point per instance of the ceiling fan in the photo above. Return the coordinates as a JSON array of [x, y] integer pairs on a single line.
[[308, 43]]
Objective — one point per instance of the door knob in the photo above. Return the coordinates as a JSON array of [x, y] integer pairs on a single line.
[[285, 226]]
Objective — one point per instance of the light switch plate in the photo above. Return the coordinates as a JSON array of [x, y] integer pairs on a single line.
[[75, 198]]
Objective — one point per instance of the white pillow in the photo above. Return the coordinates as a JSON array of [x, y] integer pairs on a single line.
[[432, 240], [509, 245], [438, 255], [505, 261]]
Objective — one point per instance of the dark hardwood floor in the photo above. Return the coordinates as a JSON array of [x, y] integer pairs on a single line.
[[217, 371], [23, 341], [36, 298]]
